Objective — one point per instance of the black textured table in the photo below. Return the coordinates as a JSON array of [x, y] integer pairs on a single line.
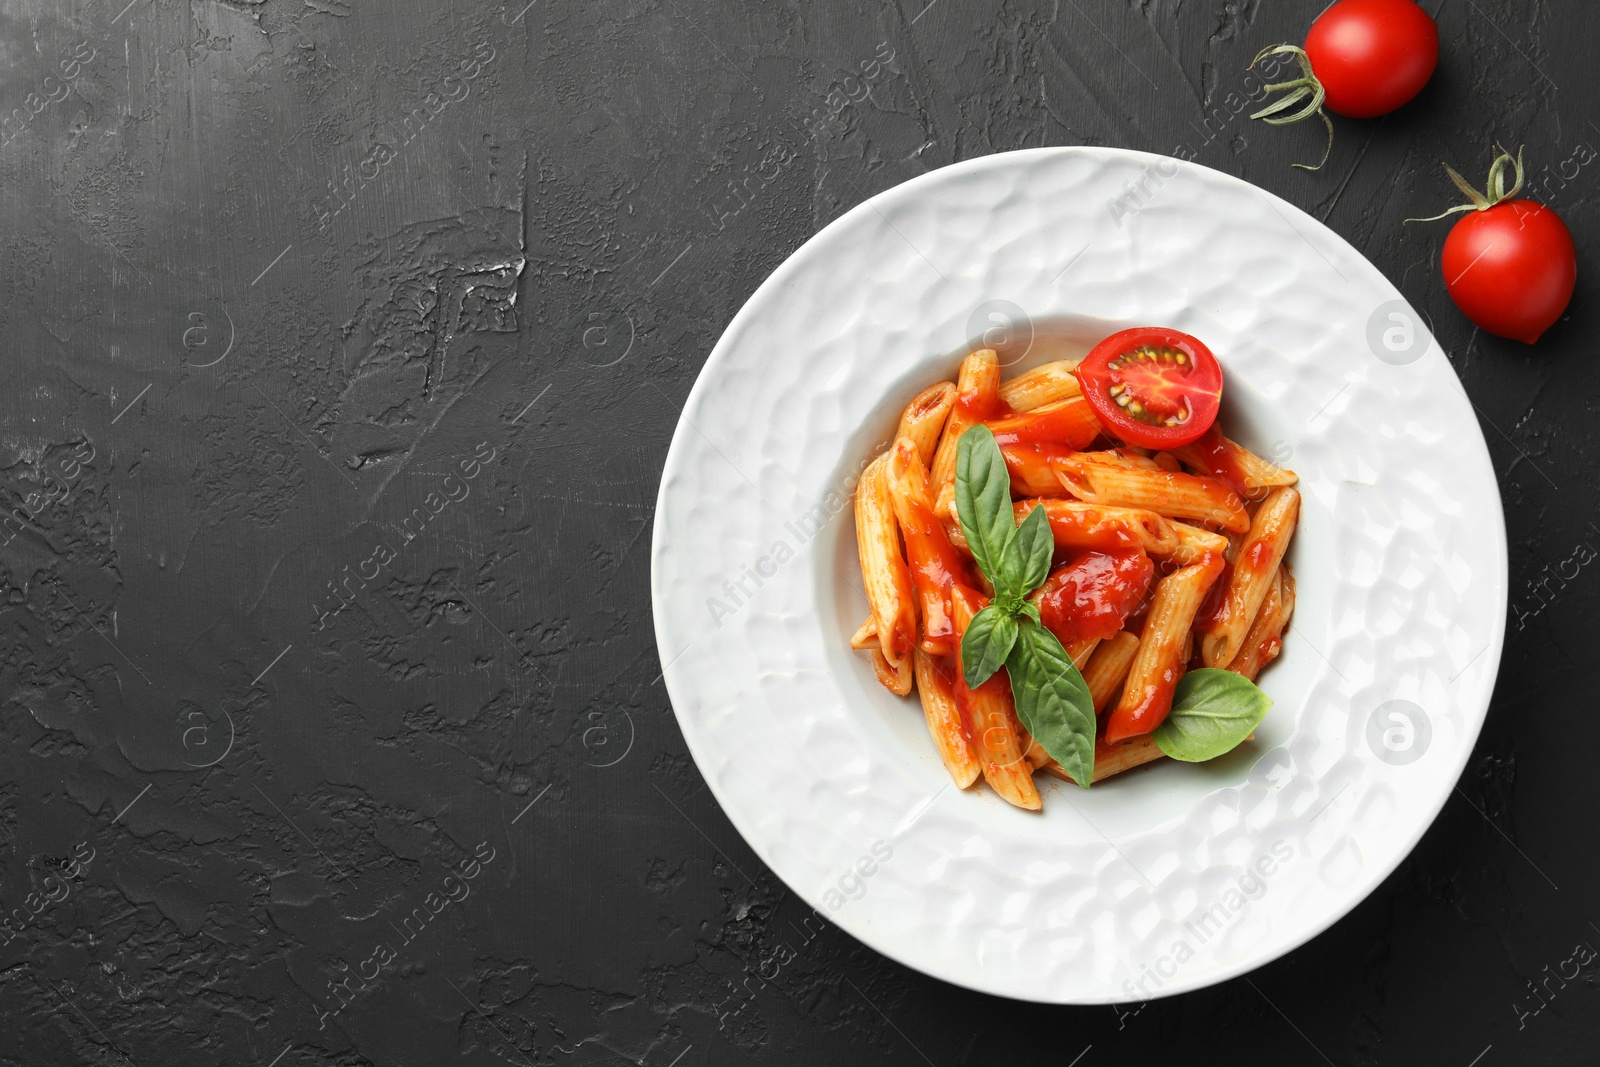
[[343, 341]]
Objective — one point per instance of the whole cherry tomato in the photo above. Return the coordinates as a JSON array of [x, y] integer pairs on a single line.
[[1362, 58], [1372, 56], [1509, 265]]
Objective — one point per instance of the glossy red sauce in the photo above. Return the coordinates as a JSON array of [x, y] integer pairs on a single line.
[[1257, 555], [1029, 466], [949, 669], [1214, 608], [1070, 426], [996, 692], [936, 566], [1149, 708], [996, 689], [1089, 528], [1268, 649], [979, 405], [1141, 712], [1092, 594], [1215, 455]]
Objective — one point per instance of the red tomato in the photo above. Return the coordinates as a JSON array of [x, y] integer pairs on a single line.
[[1152, 387], [1092, 594], [1372, 56], [1511, 268]]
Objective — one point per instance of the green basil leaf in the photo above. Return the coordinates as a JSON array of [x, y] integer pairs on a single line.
[[984, 647], [1053, 700], [1036, 544], [1030, 609], [1010, 570], [983, 501], [1212, 712]]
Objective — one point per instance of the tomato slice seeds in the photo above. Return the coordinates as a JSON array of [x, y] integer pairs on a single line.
[[1152, 387]]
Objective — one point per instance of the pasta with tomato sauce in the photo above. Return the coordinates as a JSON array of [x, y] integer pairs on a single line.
[[1169, 552]]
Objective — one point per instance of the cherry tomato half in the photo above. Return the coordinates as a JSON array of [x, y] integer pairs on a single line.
[[1511, 268], [1372, 56], [1152, 387]]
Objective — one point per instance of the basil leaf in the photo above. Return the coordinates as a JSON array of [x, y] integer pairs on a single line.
[[1030, 609], [984, 647], [1036, 544], [1009, 568], [1053, 700], [983, 502], [1212, 712]]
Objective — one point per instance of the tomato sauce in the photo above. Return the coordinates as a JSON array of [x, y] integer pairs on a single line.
[[1214, 608], [1070, 426], [1092, 594], [1148, 709], [1142, 711], [978, 405], [1030, 470], [1253, 563], [1089, 528], [949, 670], [997, 690], [1217, 457], [936, 566]]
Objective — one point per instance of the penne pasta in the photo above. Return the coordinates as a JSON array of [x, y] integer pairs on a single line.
[[1112, 759], [1127, 459], [1215, 456], [992, 722], [1109, 529], [1195, 544], [1158, 661], [924, 418], [945, 724], [1179, 496], [934, 563], [1069, 424], [1108, 667], [1044, 384], [1028, 441], [1031, 473], [1184, 546], [895, 677], [883, 568], [1253, 566], [866, 635], [977, 399], [1264, 640]]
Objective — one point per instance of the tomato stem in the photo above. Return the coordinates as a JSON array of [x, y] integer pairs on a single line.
[[1305, 91], [1495, 190]]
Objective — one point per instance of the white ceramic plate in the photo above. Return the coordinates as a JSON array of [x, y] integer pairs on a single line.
[[1174, 876]]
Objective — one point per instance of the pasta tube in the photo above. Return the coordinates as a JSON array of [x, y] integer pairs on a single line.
[[924, 418], [1258, 557], [1158, 662], [1177, 496], [883, 568]]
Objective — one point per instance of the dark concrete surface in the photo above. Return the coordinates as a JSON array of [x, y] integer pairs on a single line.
[[342, 344]]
